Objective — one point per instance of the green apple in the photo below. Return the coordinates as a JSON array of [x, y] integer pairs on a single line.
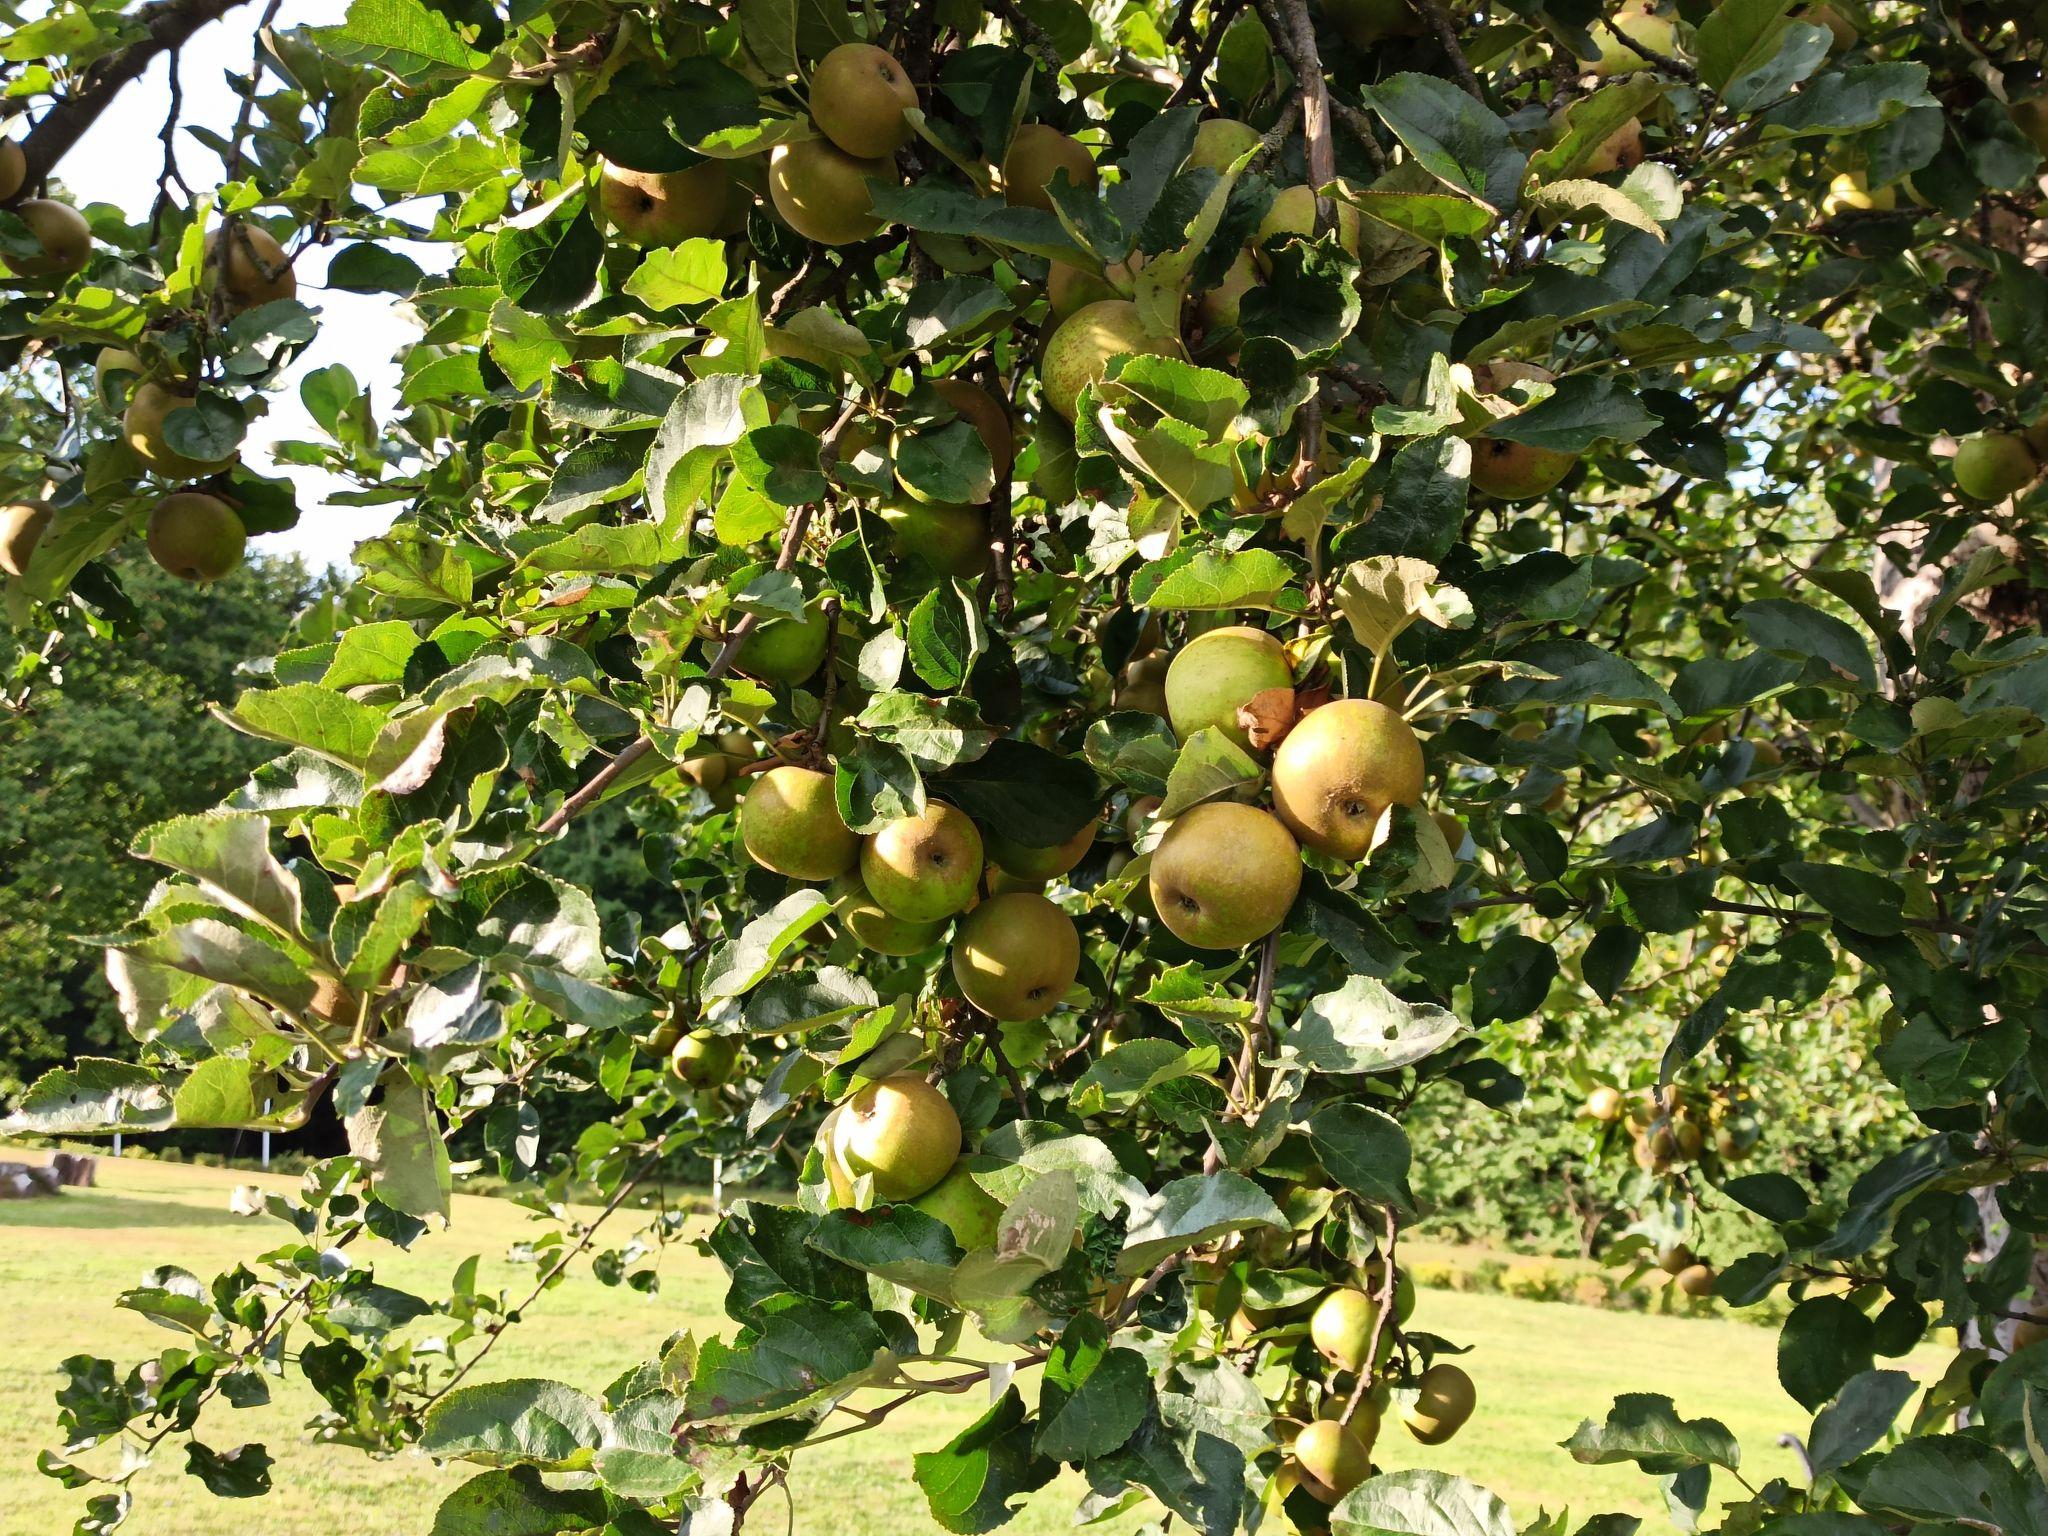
[[790, 823], [702, 1059], [1517, 471], [60, 232], [1080, 350], [821, 191], [21, 528], [1220, 142], [1036, 151], [873, 926], [900, 1131], [1444, 1400], [1215, 673], [970, 1213], [142, 425], [664, 208], [784, 650], [952, 540], [1337, 771], [1015, 956], [1332, 1459], [196, 536], [1341, 1329], [1990, 466], [1224, 875], [924, 868], [1028, 861]]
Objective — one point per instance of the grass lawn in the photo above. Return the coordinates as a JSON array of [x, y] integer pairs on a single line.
[[1539, 1366]]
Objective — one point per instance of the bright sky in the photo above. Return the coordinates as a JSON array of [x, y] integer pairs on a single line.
[[117, 162]]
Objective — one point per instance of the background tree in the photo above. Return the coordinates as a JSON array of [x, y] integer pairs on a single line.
[[1175, 596]]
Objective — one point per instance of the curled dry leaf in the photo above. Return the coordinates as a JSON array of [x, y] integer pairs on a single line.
[[1267, 716]]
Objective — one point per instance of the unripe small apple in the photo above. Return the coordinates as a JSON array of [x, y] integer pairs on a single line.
[[1217, 672], [1604, 1104], [1990, 466], [702, 1059], [1444, 1399], [195, 536], [13, 169], [902, 1132], [1036, 151]]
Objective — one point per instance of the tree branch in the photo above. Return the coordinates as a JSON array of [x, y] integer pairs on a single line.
[[166, 25]]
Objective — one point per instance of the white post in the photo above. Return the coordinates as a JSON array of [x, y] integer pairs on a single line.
[[717, 1185], [117, 1143], [266, 1138]]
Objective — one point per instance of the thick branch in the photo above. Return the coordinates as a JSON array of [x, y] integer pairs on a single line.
[[166, 25]]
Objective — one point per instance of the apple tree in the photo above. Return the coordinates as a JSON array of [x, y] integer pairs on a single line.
[[1160, 589]]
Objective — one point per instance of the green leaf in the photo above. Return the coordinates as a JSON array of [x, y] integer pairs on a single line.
[[1023, 792], [1455, 138], [1867, 902], [937, 732], [1857, 1419], [1848, 101], [1126, 1073], [690, 273], [973, 1483], [1093, 1397], [1207, 580], [801, 1352], [548, 268], [782, 463], [948, 464], [946, 633], [704, 421], [92, 1095], [399, 1140], [898, 1242], [1512, 979], [1738, 36], [1581, 412], [515, 1502], [529, 1421], [1365, 1151], [240, 1473], [1209, 765], [401, 37], [743, 963], [1133, 749], [1644, 1428], [228, 852], [1364, 1027], [876, 783], [1802, 633], [1825, 1341], [1190, 1212], [306, 715], [1420, 1502], [228, 1092]]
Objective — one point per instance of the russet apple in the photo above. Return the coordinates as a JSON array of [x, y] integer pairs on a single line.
[[1036, 151], [924, 868], [1224, 875], [900, 1131], [790, 823], [1218, 671], [859, 94], [1340, 767], [1015, 956]]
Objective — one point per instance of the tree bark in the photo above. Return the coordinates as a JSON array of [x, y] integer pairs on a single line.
[[166, 25]]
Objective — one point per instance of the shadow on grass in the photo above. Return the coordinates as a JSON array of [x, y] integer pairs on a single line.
[[94, 1209]]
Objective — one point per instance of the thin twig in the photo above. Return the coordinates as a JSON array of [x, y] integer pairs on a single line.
[[728, 653], [823, 728], [1447, 35], [1663, 61], [1204, 54], [640, 1171], [1381, 1313], [168, 135]]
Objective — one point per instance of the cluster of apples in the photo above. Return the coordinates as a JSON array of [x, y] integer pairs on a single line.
[[193, 533], [1675, 1126], [1328, 1440]]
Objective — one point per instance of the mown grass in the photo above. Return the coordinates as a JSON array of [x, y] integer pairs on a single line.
[[1539, 1366]]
